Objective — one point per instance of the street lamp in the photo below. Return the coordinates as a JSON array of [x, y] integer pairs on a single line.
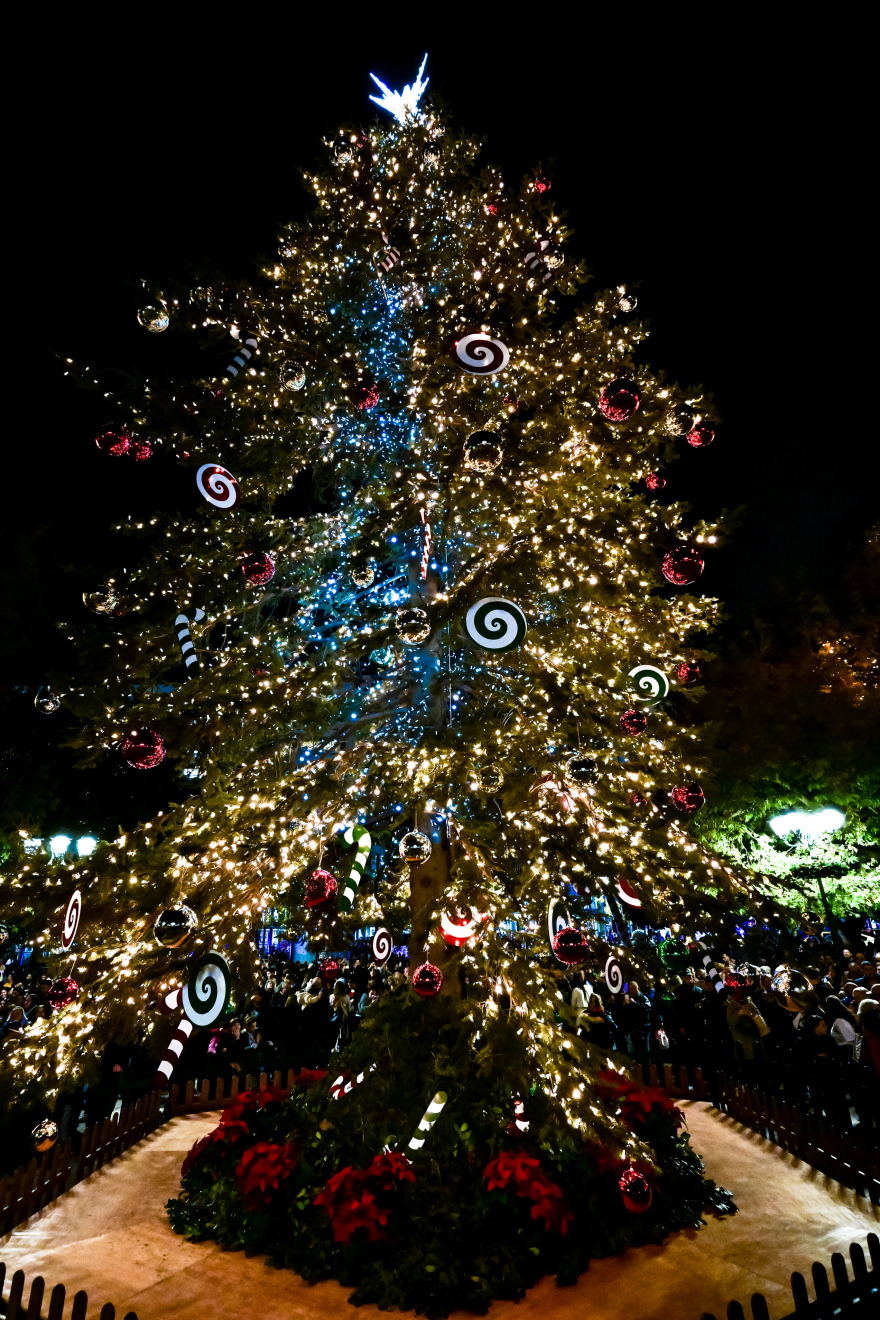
[[810, 825]]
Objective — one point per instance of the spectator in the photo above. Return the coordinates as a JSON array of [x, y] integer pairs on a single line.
[[596, 1026], [578, 999], [745, 1023], [840, 1025]]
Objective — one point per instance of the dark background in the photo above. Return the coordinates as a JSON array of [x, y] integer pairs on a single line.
[[716, 165]]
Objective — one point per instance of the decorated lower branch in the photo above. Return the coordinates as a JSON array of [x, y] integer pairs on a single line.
[[480, 1210]]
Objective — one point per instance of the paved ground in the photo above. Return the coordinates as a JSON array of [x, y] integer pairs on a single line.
[[110, 1236]]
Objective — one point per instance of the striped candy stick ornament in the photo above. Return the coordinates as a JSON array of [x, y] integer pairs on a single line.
[[342, 1086], [432, 1113], [711, 970], [520, 1122], [169, 1059], [181, 623], [245, 353], [172, 1003], [428, 543], [355, 834], [392, 255]]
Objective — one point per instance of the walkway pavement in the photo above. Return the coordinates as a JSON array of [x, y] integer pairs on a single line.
[[110, 1236]]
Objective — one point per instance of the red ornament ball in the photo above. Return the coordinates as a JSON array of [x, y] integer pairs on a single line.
[[638, 800], [682, 565], [619, 400], [62, 992], [320, 887], [634, 722], [542, 184], [329, 970], [654, 481], [687, 798], [140, 450], [114, 441], [735, 980], [636, 1191], [700, 436], [143, 749], [368, 398], [427, 980], [258, 568], [571, 946], [492, 207], [688, 673]]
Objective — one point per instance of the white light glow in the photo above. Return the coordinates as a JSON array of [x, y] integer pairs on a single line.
[[809, 824], [86, 846], [403, 105], [59, 845]]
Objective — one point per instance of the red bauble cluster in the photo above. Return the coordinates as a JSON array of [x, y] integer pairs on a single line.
[[329, 970], [688, 673], [571, 946], [619, 400], [735, 980], [117, 441], [638, 800], [654, 481], [492, 207], [687, 798], [62, 992], [320, 888], [542, 184], [258, 568], [368, 397], [636, 1191], [700, 436], [427, 980], [634, 722], [682, 565], [143, 748]]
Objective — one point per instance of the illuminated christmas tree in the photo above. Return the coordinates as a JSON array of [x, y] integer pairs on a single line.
[[422, 648]]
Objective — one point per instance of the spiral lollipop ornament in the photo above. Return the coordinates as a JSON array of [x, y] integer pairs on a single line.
[[558, 919], [181, 623], [614, 975], [218, 486], [495, 624], [206, 995], [381, 946], [355, 834], [431, 1114], [479, 354], [649, 683], [70, 921]]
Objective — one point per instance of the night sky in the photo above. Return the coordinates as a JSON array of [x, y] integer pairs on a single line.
[[705, 166]]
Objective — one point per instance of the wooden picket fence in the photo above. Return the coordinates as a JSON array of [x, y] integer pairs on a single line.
[[33, 1186], [678, 1084], [212, 1093], [15, 1308], [847, 1161], [850, 1299]]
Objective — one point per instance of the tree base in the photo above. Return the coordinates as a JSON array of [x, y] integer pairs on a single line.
[[330, 1188]]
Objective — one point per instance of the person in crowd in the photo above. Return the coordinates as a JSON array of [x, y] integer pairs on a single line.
[[745, 1023], [315, 1016], [596, 1027], [578, 999], [340, 1004], [819, 984], [635, 1021], [686, 1020], [840, 1024]]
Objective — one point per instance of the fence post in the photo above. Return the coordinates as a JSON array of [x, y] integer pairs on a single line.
[[35, 1301], [80, 1306], [15, 1291]]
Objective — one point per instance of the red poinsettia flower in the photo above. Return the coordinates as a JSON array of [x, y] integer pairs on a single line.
[[349, 1202], [636, 1102], [230, 1130], [309, 1076], [530, 1182], [262, 1168]]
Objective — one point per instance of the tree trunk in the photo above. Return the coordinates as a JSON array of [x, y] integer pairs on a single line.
[[428, 882]]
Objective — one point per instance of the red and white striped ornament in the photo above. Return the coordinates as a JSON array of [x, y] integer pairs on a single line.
[[391, 256], [458, 932], [627, 894], [218, 486], [169, 1059]]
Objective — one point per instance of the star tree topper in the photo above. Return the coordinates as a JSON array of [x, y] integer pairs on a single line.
[[402, 104]]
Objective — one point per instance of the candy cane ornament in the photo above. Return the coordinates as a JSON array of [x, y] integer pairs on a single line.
[[170, 1058], [431, 1114], [181, 623], [355, 834], [243, 356], [341, 1086], [520, 1122]]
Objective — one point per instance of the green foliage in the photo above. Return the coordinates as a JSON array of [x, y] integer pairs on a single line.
[[449, 1242]]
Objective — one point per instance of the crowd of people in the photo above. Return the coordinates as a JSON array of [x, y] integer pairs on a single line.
[[813, 1039]]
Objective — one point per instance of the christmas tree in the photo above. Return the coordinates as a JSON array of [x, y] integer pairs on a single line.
[[420, 643]]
